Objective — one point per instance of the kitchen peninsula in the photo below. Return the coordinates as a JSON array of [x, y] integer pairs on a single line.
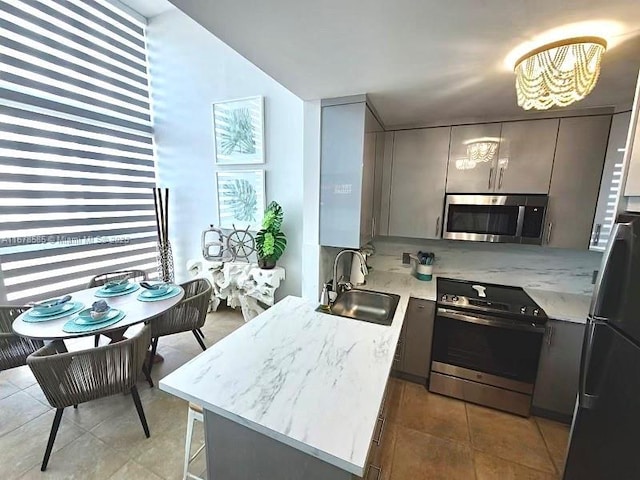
[[292, 394]]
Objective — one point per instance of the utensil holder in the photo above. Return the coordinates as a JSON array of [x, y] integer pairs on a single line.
[[164, 258], [424, 272]]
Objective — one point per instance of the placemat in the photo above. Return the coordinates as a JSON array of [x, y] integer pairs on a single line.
[[33, 319]]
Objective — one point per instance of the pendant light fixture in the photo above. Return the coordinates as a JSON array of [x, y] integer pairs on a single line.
[[559, 73]]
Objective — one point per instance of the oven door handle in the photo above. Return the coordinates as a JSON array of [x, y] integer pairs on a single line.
[[490, 322]]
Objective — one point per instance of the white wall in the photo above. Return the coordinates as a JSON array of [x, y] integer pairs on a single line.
[[311, 211], [190, 70]]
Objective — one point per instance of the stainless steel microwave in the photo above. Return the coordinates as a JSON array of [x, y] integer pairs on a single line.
[[495, 218]]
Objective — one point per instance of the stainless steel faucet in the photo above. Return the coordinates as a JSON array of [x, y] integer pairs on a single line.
[[346, 285]]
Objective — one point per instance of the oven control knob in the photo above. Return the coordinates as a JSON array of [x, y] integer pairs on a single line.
[[454, 298], [523, 310], [444, 298], [536, 312]]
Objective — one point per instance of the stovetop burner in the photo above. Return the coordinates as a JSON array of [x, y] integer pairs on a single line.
[[488, 298]]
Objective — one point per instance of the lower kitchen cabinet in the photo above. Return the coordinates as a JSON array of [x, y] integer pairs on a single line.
[[413, 354], [558, 372]]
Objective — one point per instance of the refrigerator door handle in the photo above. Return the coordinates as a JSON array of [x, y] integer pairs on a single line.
[[586, 400], [620, 232]]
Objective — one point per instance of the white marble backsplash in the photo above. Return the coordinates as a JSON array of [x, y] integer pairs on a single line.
[[528, 266]]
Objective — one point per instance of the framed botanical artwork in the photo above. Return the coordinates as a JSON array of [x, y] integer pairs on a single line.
[[238, 130], [241, 198]]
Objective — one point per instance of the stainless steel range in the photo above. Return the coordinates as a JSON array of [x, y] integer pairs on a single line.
[[486, 344]]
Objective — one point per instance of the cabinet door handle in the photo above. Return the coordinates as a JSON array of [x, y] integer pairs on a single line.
[[438, 227], [596, 236], [500, 179], [549, 233], [377, 469], [550, 335], [490, 174], [373, 227], [379, 439]]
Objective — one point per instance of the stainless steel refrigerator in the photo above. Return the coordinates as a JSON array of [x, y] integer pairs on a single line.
[[605, 435]]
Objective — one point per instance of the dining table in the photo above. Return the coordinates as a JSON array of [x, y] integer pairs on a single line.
[[135, 310]]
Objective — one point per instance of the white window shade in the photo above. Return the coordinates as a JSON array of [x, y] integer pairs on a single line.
[[76, 146]]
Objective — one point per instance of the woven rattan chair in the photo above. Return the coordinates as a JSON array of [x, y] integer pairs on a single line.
[[14, 349], [71, 378], [189, 314], [100, 280]]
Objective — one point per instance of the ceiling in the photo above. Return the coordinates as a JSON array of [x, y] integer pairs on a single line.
[[148, 8], [421, 61]]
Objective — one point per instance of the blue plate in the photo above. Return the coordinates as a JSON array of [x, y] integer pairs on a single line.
[[102, 293], [163, 289], [85, 318], [51, 310], [145, 297], [116, 287], [72, 327]]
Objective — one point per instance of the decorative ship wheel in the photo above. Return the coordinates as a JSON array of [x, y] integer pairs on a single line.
[[241, 244]]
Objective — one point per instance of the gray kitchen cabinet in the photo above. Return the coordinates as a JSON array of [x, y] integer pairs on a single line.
[[575, 180], [413, 355], [558, 371], [347, 169], [481, 178], [610, 184], [525, 156], [419, 174], [382, 221], [378, 184]]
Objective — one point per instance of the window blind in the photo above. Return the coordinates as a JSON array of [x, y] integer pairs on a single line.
[[76, 145]]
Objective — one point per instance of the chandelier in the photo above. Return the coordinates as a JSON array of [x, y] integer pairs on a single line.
[[482, 150], [559, 73]]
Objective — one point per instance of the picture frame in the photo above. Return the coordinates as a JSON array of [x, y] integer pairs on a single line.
[[238, 131], [241, 198]]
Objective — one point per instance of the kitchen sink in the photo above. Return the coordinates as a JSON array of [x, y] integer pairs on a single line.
[[365, 305]]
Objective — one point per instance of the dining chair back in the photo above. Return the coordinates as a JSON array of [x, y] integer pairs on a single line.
[[188, 315], [71, 378], [135, 275], [14, 349]]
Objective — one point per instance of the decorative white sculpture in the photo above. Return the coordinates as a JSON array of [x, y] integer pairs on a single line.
[[241, 284]]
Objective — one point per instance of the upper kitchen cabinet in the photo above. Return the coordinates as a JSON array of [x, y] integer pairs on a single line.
[[525, 156], [472, 158], [418, 178], [347, 172], [610, 183], [575, 181]]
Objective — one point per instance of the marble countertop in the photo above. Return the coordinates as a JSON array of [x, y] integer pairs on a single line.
[[568, 307], [312, 381]]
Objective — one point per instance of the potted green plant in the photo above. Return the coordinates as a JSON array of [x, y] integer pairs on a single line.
[[270, 241]]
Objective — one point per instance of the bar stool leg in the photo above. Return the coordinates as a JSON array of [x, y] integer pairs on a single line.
[[188, 458]]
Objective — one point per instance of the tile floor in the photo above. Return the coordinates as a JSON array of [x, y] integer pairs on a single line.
[[427, 437], [439, 438]]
